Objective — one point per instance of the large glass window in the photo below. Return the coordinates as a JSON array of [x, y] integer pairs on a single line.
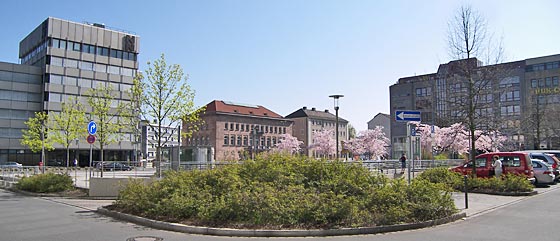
[[70, 63], [54, 97], [55, 79], [84, 83], [100, 68], [127, 71], [113, 69], [86, 65], [55, 61], [72, 81], [102, 51]]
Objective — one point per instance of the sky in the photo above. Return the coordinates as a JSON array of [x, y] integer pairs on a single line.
[[287, 54]]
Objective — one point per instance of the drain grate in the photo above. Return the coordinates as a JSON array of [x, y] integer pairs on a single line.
[[144, 238]]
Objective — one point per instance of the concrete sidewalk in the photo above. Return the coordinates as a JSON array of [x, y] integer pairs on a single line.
[[483, 203]]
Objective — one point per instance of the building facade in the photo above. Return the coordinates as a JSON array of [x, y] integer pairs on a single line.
[[170, 138], [58, 60], [520, 99], [235, 131], [309, 121], [383, 120]]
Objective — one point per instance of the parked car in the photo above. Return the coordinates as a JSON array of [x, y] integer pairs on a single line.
[[115, 166], [11, 165], [517, 163], [543, 172], [549, 159], [555, 156]]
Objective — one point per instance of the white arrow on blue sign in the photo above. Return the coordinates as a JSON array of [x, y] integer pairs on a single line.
[[92, 128], [407, 115]]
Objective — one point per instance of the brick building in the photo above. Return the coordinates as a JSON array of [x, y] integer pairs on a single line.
[[235, 131]]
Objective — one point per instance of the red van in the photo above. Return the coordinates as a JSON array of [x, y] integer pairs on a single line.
[[512, 162]]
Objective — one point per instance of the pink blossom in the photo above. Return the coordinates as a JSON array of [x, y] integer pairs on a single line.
[[289, 144]]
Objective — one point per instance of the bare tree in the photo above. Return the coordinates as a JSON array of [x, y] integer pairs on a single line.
[[471, 95]]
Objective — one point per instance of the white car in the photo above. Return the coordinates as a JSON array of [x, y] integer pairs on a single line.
[[11, 165], [543, 172]]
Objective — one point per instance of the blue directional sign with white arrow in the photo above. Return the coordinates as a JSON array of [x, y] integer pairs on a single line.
[[407, 115], [92, 128]]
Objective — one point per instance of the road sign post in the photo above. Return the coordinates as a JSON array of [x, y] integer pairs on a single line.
[[92, 128], [407, 115]]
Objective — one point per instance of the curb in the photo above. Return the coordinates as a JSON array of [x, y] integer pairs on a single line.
[[274, 233], [510, 194]]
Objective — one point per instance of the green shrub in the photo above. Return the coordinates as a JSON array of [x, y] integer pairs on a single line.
[[46, 183], [279, 191], [442, 175]]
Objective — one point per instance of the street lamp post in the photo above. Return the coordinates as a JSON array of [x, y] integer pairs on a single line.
[[336, 97]]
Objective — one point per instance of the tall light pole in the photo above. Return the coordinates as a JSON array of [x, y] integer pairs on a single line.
[[336, 97]]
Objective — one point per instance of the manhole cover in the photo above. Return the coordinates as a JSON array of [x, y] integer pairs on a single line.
[[145, 238]]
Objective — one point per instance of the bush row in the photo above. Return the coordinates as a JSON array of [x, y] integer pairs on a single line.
[[279, 191], [46, 183], [508, 183]]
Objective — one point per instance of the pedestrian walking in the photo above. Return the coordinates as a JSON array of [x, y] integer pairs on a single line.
[[497, 165], [403, 162]]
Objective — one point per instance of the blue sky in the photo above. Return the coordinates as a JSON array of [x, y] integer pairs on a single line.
[[288, 54]]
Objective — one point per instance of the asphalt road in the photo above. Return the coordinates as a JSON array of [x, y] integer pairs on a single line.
[[31, 218]]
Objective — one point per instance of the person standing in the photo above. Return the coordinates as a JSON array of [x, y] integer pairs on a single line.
[[497, 165], [403, 162]]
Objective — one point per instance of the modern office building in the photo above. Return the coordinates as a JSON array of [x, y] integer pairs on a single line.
[[521, 99], [170, 138], [309, 121], [235, 131], [58, 60]]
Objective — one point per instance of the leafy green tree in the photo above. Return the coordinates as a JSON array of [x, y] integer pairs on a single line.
[[167, 100], [68, 125], [105, 111], [35, 137]]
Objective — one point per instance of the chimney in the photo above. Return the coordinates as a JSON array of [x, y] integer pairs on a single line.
[[326, 111], [305, 108], [313, 109]]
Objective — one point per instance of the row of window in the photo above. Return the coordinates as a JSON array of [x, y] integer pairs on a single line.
[[545, 82], [420, 92], [198, 141], [87, 83], [34, 52], [326, 123], [10, 132], [16, 114], [259, 128], [510, 96], [91, 49], [20, 77], [247, 141], [510, 110], [63, 98], [20, 96], [544, 66], [545, 99], [85, 65]]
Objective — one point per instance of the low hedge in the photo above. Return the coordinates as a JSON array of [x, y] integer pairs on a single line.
[[509, 183], [46, 183], [286, 192]]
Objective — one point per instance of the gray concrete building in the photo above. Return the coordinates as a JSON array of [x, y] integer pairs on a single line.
[[58, 60], [521, 99]]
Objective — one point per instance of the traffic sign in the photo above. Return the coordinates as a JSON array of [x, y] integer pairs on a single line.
[[407, 115], [91, 139], [92, 128]]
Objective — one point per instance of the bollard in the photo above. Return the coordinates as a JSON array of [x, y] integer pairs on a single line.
[[466, 193]]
